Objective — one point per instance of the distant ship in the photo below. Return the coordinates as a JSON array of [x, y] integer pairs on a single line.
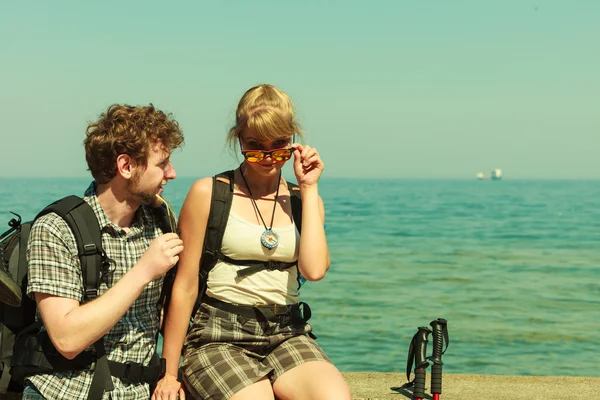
[[496, 174], [480, 176]]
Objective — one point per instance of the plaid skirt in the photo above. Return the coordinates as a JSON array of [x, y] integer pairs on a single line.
[[226, 352]]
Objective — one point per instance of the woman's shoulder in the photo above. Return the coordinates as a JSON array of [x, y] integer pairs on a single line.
[[201, 188]]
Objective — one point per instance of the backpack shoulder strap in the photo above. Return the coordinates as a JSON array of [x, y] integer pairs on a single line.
[[167, 222], [83, 222], [296, 201], [220, 205]]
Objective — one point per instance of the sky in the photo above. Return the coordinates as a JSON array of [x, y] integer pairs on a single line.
[[382, 89]]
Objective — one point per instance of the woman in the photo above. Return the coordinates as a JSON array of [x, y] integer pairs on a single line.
[[248, 339]]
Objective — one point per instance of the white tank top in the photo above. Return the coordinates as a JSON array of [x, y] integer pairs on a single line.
[[241, 241]]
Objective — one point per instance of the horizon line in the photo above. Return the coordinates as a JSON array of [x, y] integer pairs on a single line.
[[461, 178]]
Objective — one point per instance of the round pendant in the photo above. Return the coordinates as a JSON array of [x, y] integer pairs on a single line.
[[269, 239]]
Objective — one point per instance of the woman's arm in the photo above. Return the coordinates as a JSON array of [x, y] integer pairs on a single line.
[[192, 226], [313, 256]]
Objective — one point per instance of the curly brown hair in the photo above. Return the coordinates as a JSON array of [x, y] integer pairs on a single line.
[[126, 129]]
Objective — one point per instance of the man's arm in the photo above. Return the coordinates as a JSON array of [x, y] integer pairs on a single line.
[[73, 326]]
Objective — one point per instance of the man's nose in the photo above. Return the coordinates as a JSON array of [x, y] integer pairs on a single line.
[[170, 172]]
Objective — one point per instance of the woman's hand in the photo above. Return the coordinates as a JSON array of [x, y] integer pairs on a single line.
[[308, 165], [168, 388]]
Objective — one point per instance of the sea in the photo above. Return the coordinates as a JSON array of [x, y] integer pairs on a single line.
[[513, 266]]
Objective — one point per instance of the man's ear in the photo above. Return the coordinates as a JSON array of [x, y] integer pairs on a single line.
[[125, 166]]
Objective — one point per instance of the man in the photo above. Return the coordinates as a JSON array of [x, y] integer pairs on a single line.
[[128, 154]]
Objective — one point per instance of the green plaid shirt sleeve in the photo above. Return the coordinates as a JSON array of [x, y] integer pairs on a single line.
[[52, 256]]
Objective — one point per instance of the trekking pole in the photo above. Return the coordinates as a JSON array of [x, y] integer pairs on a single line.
[[417, 355], [421, 363], [440, 335]]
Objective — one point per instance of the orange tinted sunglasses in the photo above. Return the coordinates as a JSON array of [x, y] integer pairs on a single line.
[[277, 155]]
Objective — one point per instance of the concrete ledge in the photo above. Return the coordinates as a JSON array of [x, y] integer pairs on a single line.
[[376, 386]]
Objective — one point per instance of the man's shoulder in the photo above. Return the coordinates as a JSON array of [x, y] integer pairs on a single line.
[[50, 231], [51, 222]]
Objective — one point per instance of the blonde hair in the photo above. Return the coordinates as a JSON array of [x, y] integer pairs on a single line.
[[267, 111]]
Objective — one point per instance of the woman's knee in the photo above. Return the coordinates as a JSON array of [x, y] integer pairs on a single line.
[[315, 380]]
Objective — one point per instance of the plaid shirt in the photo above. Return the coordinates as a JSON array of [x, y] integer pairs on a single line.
[[54, 268]]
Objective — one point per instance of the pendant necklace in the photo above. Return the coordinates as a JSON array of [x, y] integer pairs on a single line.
[[268, 239]]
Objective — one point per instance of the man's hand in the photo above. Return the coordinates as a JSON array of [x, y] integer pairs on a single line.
[[161, 255]]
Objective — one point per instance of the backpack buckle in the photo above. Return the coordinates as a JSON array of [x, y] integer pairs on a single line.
[[133, 372], [208, 252], [273, 265], [91, 293], [280, 309], [89, 250]]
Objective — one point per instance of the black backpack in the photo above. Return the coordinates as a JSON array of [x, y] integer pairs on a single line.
[[24, 350]]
